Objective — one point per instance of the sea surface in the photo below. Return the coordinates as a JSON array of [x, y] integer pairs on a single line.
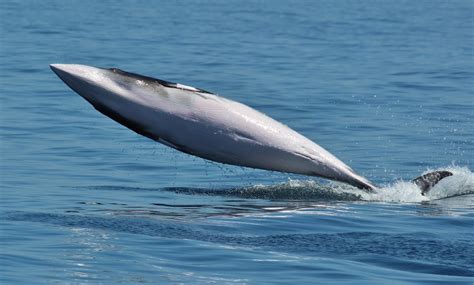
[[387, 86]]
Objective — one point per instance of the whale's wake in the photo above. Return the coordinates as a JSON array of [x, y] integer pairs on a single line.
[[461, 183]]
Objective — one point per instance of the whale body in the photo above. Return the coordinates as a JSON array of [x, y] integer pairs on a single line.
[[209, 126], [203, 124]]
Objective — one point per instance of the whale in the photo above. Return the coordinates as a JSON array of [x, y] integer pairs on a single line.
[[203, 124]]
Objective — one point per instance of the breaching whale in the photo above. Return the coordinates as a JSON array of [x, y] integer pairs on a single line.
[[206, 125]]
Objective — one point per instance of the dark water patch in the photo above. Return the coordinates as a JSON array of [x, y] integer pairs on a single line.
[[405, 264], [416, 73], [423, 87], [47, 32], [269, 192], [457, 75], [279, 192]]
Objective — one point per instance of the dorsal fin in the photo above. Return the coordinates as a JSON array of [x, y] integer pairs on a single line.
[[429, 180], [159, 81]]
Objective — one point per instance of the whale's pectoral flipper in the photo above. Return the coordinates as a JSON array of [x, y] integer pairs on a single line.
[[429, 180]]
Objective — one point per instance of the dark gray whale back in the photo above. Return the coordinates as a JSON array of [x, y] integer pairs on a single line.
[[153, 80]]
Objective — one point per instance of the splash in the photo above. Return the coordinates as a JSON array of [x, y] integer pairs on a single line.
[[461, 183]]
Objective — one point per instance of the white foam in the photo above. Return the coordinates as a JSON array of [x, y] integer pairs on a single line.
[[460, 183]]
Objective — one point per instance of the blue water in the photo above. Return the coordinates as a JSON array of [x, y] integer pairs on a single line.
[[387, 86]]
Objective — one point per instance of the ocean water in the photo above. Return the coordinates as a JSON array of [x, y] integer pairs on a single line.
[[387, 86]]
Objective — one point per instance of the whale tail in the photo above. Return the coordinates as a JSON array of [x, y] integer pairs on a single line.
[[427, 181]]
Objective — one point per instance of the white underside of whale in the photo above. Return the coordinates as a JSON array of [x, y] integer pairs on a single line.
[[203, 124]]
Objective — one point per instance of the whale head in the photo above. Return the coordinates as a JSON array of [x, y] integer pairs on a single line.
[[96, 85], [114, 93]]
